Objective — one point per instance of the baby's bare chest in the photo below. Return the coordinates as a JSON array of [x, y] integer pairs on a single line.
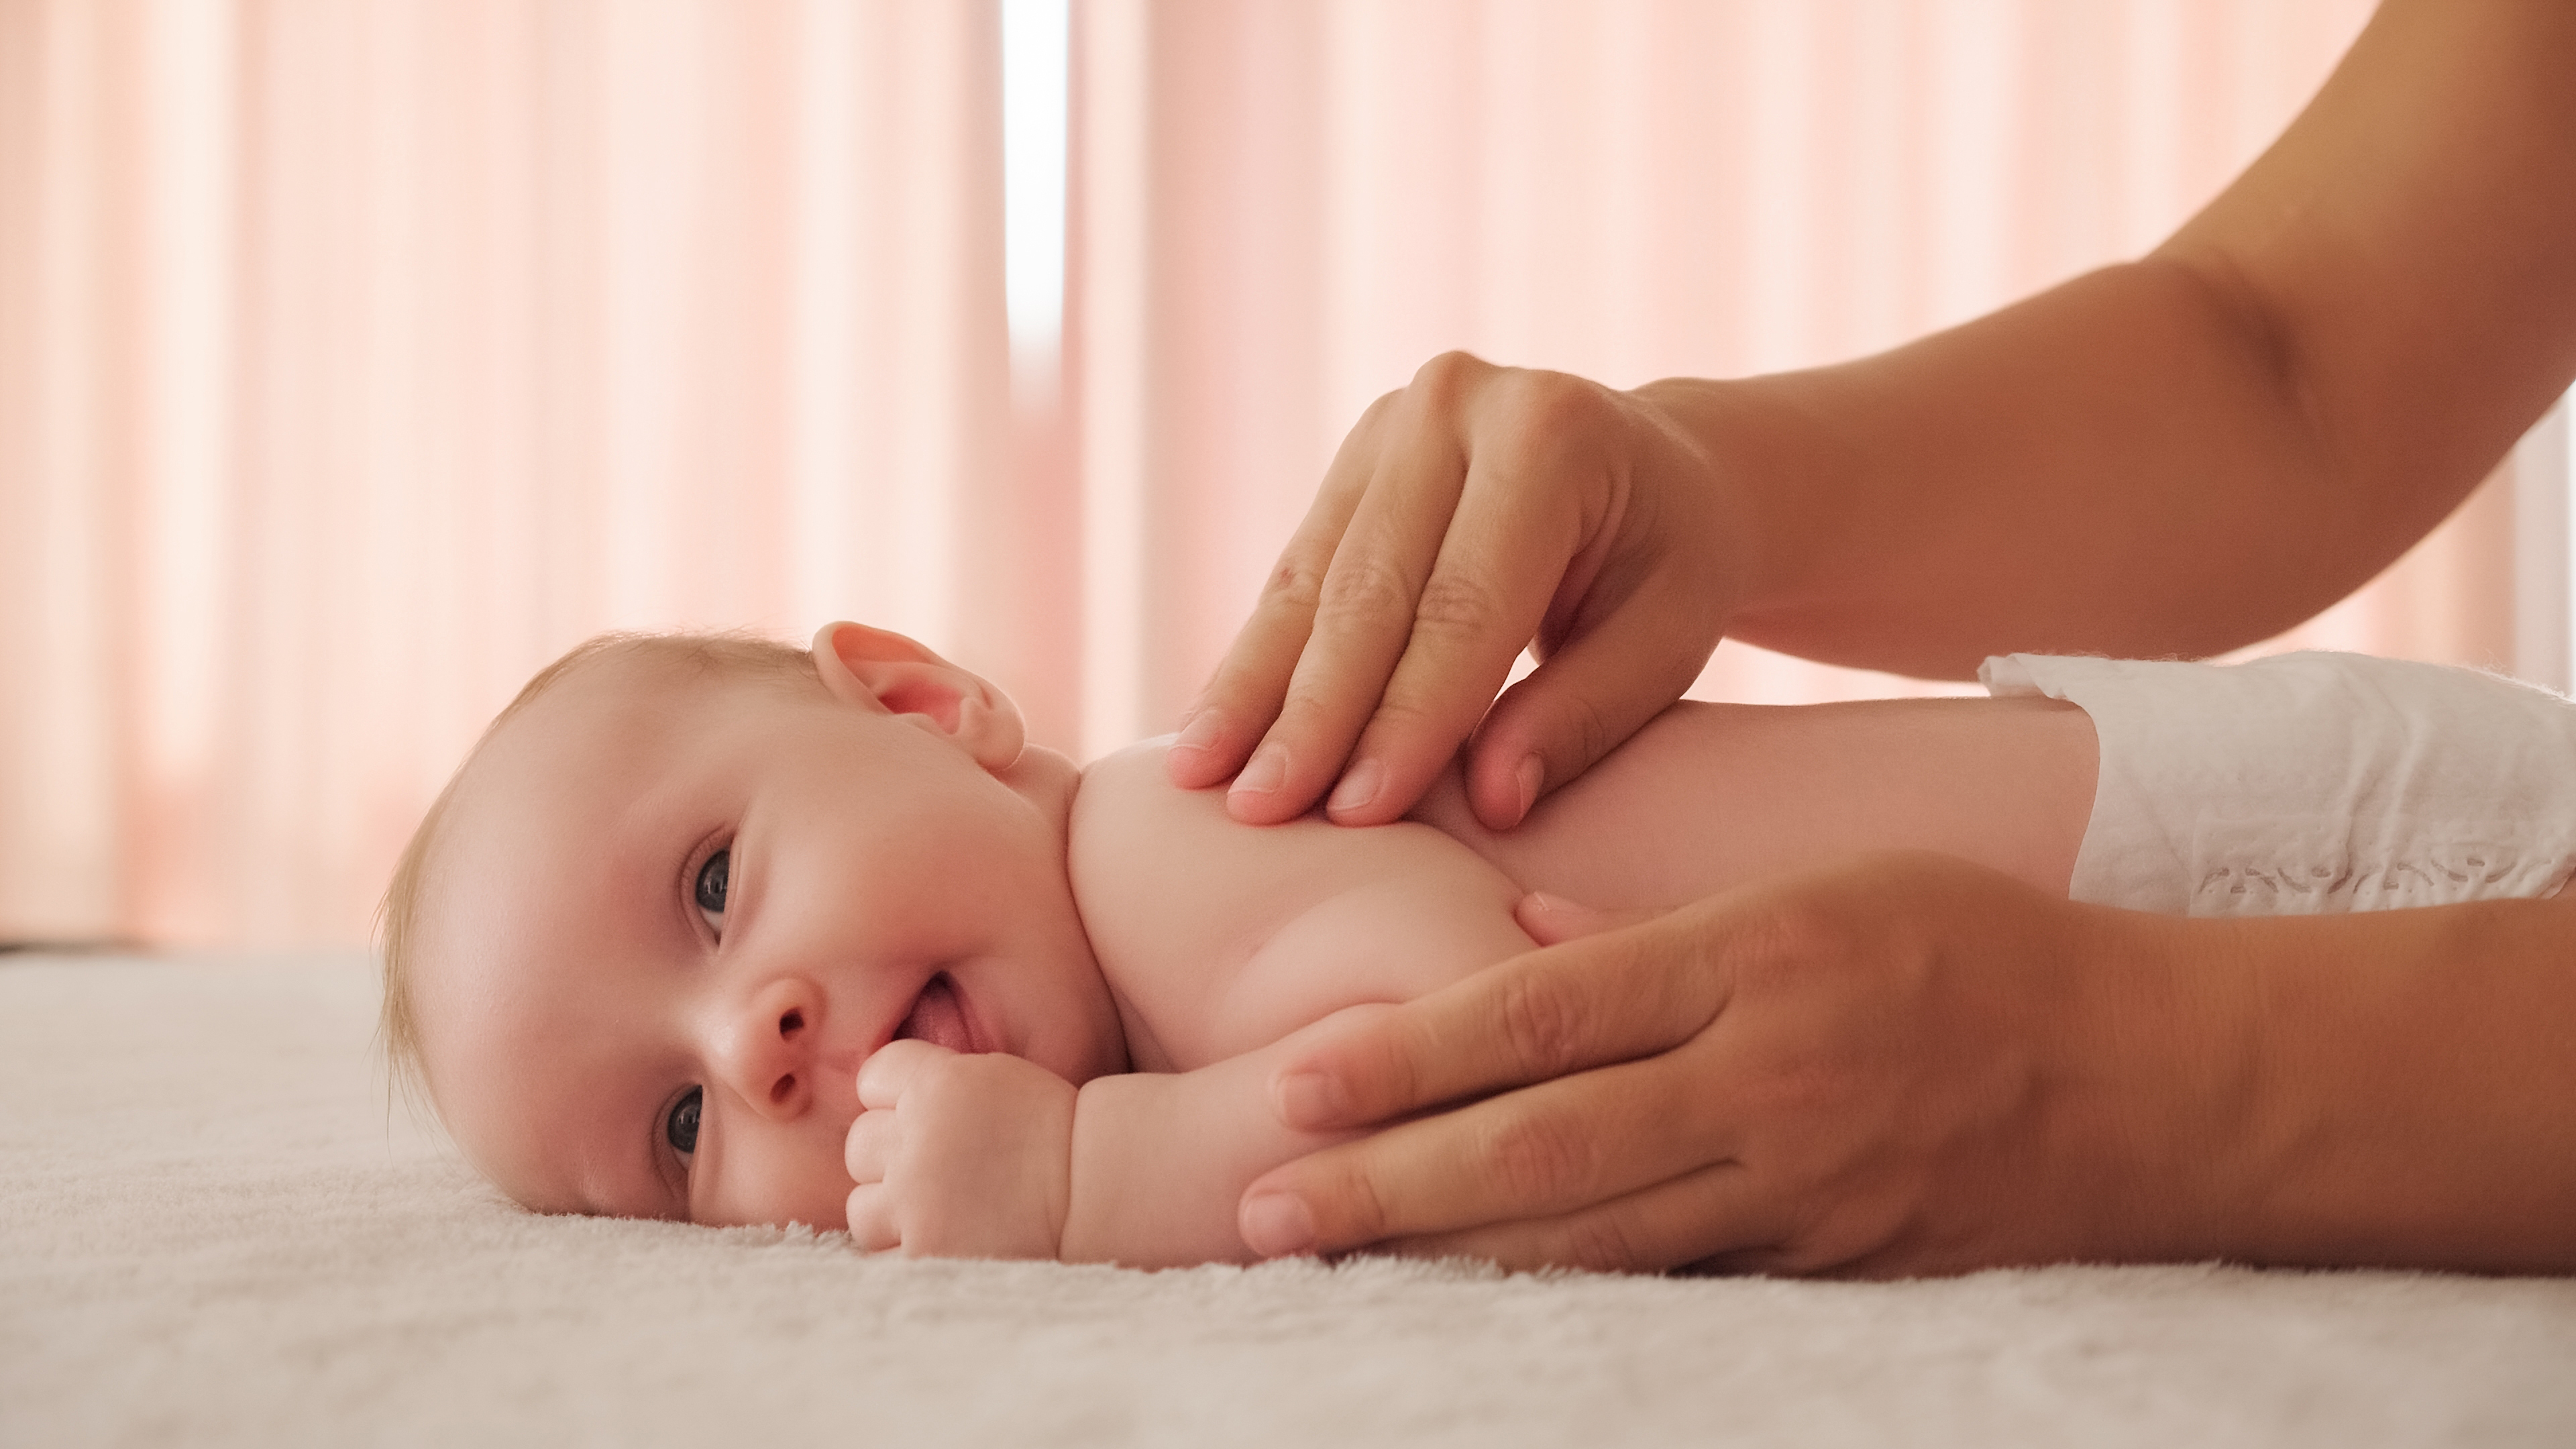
[[1219, 938]]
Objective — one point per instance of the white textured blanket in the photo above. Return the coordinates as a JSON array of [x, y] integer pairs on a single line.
[[213, 1232]]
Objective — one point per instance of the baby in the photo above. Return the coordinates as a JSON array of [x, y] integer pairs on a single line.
[[716, 929]]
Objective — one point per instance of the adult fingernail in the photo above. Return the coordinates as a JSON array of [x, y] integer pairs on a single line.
[[1358, 787], [1267, 771], [1275, 1224], [1312, 1099], [1527, 775], [1199, 731]]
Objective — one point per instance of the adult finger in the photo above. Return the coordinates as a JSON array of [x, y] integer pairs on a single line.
[[1702, 1214], [1587, 698], [1554, 920], [1364, 613], [891, 1068], [1502, 559], [1538, 1152], [871, 1218], [1608, 998], [1234, 711], [869, 1149]]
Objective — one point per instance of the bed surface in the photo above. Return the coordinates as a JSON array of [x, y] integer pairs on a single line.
[[214, 1231]]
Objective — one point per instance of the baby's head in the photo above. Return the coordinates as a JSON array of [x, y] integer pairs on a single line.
[[685, 885]]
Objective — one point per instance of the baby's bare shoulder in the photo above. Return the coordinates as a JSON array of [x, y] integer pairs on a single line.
[[1127, 788], [1225, 936], [1164, 874]]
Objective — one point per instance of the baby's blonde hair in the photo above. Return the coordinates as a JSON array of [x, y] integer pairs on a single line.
[[398, 916]]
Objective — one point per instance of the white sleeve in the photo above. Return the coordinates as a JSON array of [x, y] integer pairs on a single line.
[[2311, 783]]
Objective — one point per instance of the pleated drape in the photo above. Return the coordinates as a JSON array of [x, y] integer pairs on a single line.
[[361, 355], [357, 356]]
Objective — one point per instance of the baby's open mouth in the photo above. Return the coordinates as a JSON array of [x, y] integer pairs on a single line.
[[938, 1017]]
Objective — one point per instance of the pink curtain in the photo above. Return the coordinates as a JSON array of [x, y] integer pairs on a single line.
[[356, 356], [1290, 205]]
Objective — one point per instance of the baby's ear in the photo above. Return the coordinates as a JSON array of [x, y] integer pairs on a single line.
[[877, 669]]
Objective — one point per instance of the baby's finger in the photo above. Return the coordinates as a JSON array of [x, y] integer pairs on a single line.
[[871, 1213], [891, 1068], [1716, 1210], [1242, 696], [869, 1150]]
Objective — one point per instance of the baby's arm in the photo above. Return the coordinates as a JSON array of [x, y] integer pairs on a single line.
[[1227, 943], [993, 1156], [1159, 1160]]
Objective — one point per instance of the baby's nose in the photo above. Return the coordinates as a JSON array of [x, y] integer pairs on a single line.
[[768, 1054]]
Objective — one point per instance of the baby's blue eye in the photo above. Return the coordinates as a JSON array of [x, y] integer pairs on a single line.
[[682, 1128], [711, 885]]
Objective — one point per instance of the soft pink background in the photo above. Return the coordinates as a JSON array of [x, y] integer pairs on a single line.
[[357, 356]]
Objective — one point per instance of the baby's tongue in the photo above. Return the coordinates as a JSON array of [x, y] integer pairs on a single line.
[[936, 1018]]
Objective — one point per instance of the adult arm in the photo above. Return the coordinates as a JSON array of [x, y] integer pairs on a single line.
[[1914, 1065], [2171, 456]]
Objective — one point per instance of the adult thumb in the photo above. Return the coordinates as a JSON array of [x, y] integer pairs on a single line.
[[1552, 920], [1581, 704]]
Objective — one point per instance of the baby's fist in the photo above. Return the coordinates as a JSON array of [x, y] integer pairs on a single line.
[[959, 1156]]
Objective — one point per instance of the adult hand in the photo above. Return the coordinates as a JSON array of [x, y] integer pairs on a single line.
[[1476, 511], [1903, 1064]]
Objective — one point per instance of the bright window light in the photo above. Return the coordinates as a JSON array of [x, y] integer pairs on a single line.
[[1035, 56]]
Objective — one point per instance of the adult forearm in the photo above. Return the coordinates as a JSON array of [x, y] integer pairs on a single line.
[[2192, 451], [2109, 467], [2412, 1095]]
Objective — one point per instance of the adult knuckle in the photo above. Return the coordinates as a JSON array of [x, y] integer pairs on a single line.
[[1550, 415], [1536, 1158], [1390, 1068], [1555, 403], [1584, 728], [1366, 590], [1600, 1241], [1844, 1235], [1543, 1025], [1454, 605], [1406, 711], [1795, 934], [1362, 1208], [1295, 585], [1307, 709], [1808, 1086], [1440, 383]]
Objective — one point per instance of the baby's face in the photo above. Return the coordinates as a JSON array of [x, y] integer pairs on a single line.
[[673, 911]]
